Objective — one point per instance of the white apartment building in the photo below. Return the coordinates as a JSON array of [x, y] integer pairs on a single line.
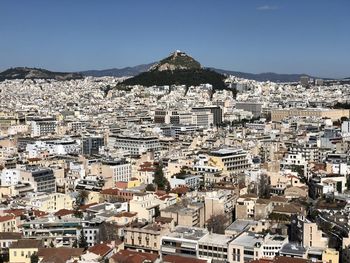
[[118, 170], [137, 144], [9, 177], [43, 127]]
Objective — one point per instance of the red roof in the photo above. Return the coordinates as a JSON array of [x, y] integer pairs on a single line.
[[64, 212], [100, 249], [122, 185], [130, 256], [180, 190], [16, 212], [179, 259], [38, 213], [7, 218], [84, 207]]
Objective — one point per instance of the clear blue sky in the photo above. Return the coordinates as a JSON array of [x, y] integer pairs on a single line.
[[284, 36]]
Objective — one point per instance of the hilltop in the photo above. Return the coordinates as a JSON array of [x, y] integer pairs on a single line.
[[36, 73], [178, 69]]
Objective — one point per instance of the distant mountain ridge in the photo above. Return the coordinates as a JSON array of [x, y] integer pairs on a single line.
[[267, 76], [134, 71], [36, 73], [118, 72]]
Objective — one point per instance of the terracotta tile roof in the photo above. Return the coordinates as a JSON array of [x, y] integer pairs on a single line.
[[100, 249], [59, 255], [64, 212], [290, 260], [129, 256], [262, 201], [16, 212], [38, 213], [7, 218], [249, 196], [84, 207], [10, 235], [122, 185], [164, 220], [160, 193], [179, 259], [26, 243], [180, 190], [261, 261], [288, 208], [279, 199]]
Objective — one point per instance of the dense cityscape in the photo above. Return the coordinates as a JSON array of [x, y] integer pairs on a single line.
[[174, 131], [174, 173]]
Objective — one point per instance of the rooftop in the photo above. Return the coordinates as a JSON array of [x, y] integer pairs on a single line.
[[216, 239], [240, 225], [191, 233], [249, 240]]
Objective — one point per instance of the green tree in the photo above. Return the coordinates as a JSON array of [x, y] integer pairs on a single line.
[[34, 258], [80, 200], [75, 243], [216, 223], [160, 180], [150, 187], [82, 240]]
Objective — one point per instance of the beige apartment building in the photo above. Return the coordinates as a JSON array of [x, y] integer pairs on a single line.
[[145, 239], [144, 205], [333, 114], [313, 237], [8, 223], [191, 215]]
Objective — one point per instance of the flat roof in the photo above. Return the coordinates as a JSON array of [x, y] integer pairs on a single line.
[[216, 239], [240, 225], [293, 248], [227, 151], [249, 240], [191, 233]]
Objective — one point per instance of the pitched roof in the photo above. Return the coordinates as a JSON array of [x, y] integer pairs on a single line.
[[100, 249], [290, 260], [164, 220], [16, 212], [129, 256], [6, 218], [26, 243], [64, 212], [58, 255], [10, 235], [179, 259]]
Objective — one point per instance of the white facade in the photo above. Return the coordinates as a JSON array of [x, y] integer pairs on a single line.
[[121, 172], [9, 177], [137, 144], [42, 128]]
